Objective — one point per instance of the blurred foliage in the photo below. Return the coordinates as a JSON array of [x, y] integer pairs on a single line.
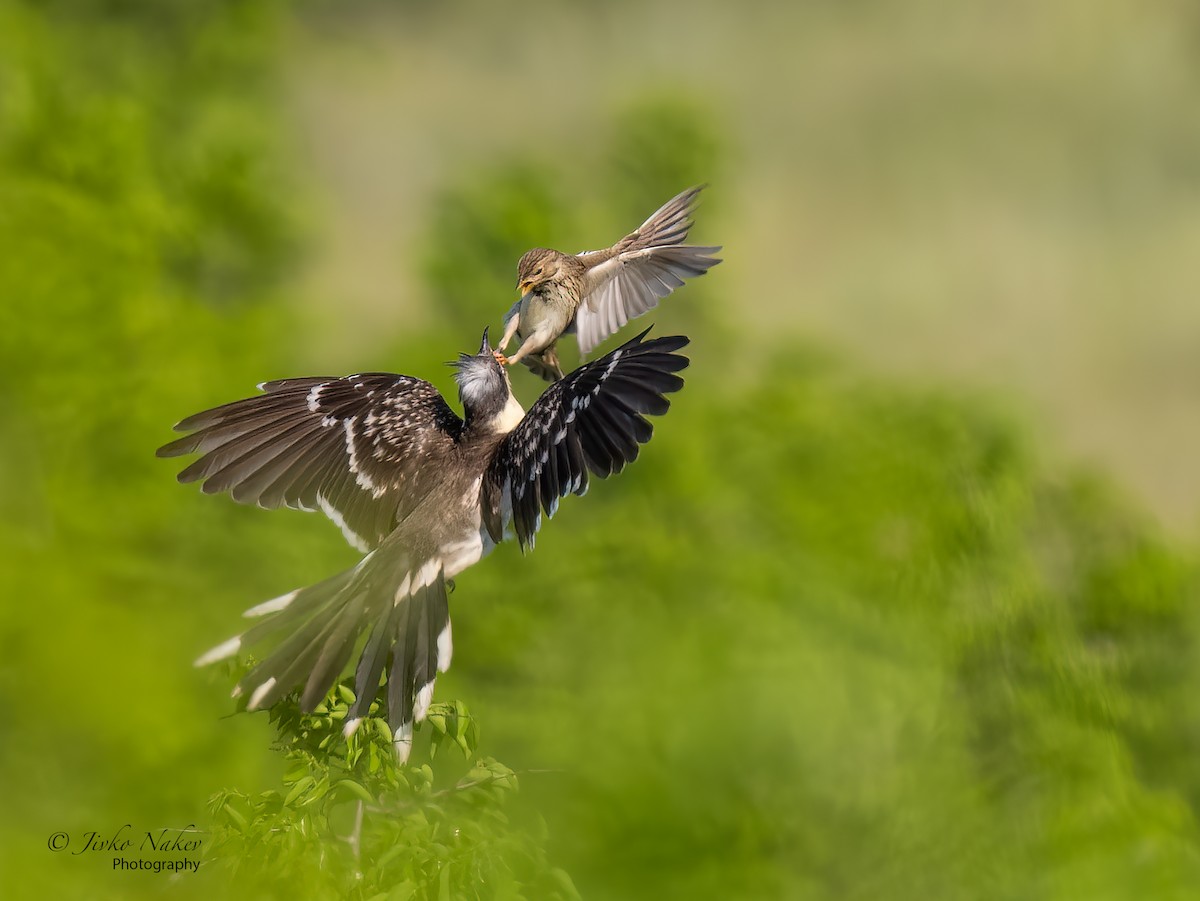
[[353, 823], [479, 231], [884, 642], [827, 638], [143, 228], [660, 145]]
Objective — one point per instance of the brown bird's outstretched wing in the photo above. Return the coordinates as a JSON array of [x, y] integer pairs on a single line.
[[363, 449], [629, 278], [593, 420]]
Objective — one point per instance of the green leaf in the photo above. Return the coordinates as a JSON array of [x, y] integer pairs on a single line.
[[354, 789], [301, 786], [238, 819], [382, 729], [403, 891]]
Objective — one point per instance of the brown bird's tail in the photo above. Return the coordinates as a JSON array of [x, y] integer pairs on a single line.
[[544, 365]]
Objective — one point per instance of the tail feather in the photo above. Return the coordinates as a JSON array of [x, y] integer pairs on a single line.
[[409, 637], [420, 650], [370, 668], [291, 609], [544, 365], [287, 610], [400, 687], [335, 652], [290, 664]]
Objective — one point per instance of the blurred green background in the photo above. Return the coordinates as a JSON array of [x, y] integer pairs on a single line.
[[900, 602]]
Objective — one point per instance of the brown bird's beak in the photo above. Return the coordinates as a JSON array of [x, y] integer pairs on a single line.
[[523, 287]]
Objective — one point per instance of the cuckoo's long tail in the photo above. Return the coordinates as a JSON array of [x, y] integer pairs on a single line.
[[319, 628]]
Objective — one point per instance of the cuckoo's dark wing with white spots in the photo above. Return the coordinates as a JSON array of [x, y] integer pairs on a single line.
[[593, 420], [363, 449], [629, 278]]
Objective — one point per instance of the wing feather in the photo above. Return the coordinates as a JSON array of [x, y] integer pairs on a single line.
[[354, 447], [631, 277], [591, 421]]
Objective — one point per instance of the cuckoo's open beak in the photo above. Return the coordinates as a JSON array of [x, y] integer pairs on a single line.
[[465, 359]]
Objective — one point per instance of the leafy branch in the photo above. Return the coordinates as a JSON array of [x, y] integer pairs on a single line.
[[350, 821]]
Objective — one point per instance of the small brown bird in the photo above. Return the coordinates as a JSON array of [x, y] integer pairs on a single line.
[[596, 292]]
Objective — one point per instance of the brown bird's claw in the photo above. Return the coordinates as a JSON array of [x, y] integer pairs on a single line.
[[500, 358]]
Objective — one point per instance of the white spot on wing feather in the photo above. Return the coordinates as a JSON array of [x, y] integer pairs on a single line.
[[506, 508], [356, 540], [364, 481]]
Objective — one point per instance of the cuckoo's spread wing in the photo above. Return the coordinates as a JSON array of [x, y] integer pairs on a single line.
[[362, 449], [630, 277], [593, 420]]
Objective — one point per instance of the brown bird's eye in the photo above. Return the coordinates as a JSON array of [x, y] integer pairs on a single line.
[[537, 271]]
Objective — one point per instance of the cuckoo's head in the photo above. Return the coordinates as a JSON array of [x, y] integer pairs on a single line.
[[483, 386]]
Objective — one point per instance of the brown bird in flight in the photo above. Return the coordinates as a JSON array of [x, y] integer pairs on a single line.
[[594, 293]]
